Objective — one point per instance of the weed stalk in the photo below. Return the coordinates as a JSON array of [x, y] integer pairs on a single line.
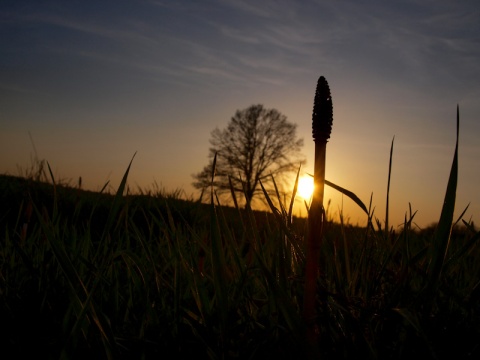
[[322, 119]]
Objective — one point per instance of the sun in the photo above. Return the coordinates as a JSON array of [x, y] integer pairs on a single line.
[[305, 187]]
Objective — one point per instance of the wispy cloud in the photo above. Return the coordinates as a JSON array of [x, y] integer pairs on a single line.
[[263, 9]]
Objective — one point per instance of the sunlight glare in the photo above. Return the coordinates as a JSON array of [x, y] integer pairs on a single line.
[[305, 187]]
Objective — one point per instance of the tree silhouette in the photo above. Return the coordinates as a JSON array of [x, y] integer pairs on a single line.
[[258, 144]]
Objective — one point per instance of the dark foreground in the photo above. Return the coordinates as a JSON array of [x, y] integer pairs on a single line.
[[84, 274]]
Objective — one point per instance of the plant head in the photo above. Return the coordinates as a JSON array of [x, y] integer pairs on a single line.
[[322, 117]]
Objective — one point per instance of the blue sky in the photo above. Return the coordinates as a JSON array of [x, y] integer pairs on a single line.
[[93, 82]]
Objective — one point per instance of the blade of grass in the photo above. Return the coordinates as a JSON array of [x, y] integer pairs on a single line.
[[82, 297], [466, 248], [441, 238], [112, 215], [217, 256], [55, 206], [387, 206], [283, 225], [294, 193], [350, 194]]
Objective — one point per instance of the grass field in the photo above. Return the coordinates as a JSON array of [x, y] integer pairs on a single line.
[[123, 276]]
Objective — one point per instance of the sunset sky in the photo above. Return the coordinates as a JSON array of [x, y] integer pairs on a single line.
[[93, 82]]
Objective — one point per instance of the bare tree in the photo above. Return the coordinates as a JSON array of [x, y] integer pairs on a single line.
[[258, 144]]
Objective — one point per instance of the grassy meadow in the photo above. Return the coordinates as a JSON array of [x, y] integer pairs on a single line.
[[140, 276]]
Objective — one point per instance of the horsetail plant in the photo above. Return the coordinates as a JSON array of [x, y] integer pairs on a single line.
[[322, 119]]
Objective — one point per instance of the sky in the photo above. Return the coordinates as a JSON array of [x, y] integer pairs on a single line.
[[85, 85]]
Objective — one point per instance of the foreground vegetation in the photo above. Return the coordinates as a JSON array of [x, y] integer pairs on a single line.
[[141, 276]]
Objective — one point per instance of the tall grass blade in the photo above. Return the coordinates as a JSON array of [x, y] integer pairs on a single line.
[[82, 297], [441, 238], [290, 235], [217, 256], [55, 206], [232, 192], [279, 199], [294, 193], [274, 209], [387, 207], [468, 245], [112, 215], [350, 194]]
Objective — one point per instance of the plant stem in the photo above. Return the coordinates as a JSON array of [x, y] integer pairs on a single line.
[[322, 118], [315, 227]]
